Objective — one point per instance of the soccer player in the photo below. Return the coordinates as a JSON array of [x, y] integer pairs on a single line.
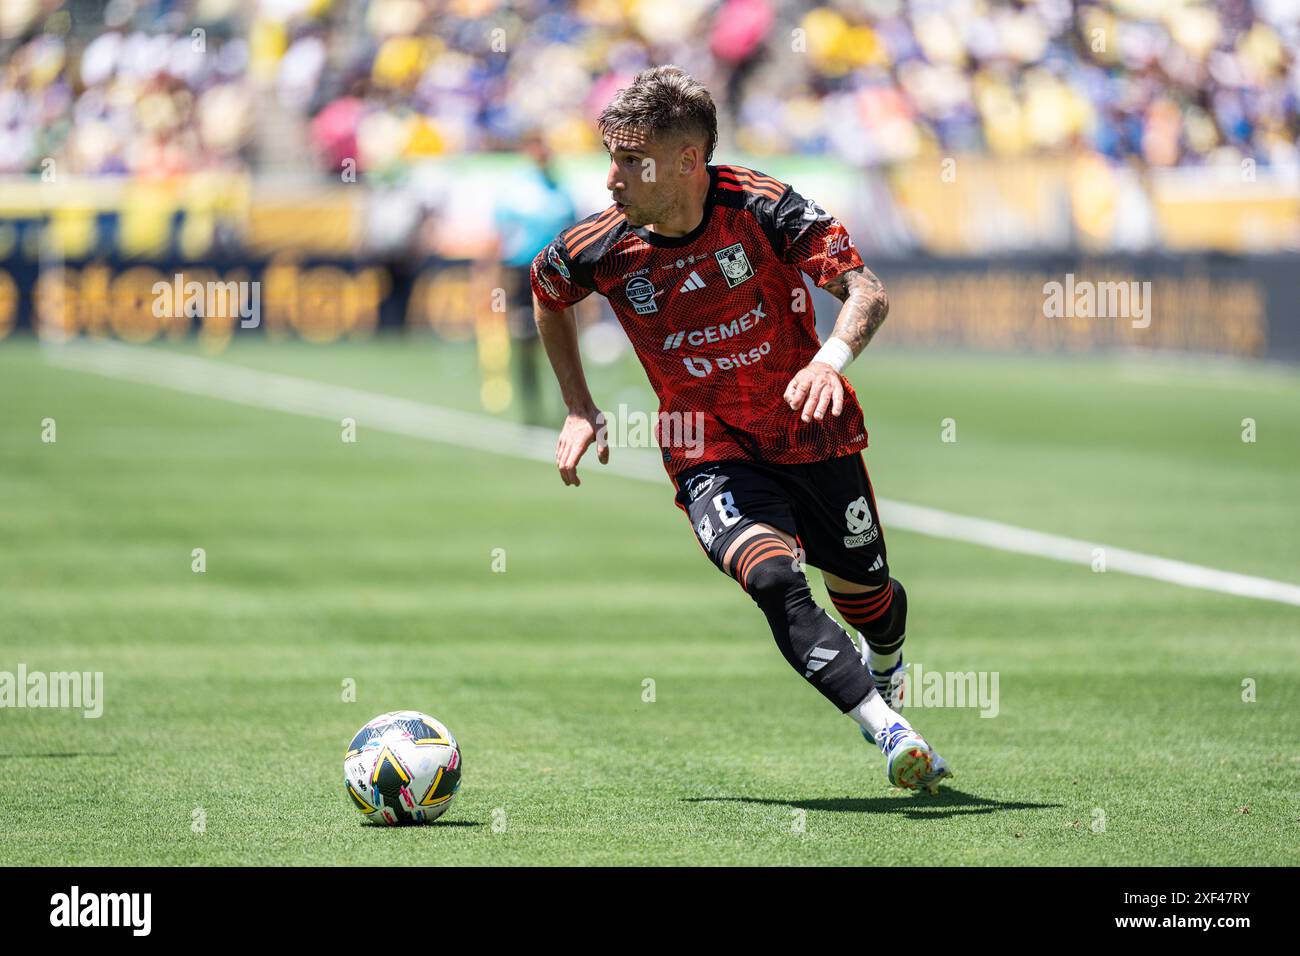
[[702, 265]]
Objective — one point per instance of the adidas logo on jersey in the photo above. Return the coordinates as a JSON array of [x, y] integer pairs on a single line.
[[693, 281]]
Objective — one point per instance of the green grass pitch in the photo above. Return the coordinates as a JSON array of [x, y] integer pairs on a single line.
[[1122, 736]]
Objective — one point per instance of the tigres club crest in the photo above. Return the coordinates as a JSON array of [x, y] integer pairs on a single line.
[[735, 264]]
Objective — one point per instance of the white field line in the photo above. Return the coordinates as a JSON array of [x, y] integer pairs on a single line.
[[414, 419]]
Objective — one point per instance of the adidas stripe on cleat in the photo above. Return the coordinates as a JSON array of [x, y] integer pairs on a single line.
[[892, 684]]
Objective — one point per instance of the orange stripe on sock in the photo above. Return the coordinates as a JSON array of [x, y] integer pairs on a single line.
[[758, 541], [858, 622], [870, 616], [864, 617], [867, 603], [764, 548], [755, 557], [746, 550]]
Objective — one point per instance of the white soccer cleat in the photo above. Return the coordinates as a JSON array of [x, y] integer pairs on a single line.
[[910, 762]]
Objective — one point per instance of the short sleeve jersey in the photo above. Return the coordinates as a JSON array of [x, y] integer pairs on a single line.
[[721, 318]]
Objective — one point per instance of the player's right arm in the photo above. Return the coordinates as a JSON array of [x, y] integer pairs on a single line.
[[556, 288], [583, 424]]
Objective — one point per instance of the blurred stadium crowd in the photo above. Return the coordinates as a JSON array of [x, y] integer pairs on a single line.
[[154, 88]]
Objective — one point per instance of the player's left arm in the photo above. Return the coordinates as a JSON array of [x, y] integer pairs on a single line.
[[865, 307], [807, 236], [819, 385]]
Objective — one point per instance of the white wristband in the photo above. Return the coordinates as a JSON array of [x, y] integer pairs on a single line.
[[835, 353]]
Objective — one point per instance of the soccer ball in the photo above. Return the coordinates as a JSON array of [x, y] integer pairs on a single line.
[[402, 767]]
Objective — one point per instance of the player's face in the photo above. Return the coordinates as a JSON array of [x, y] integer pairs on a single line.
[[640, 179]]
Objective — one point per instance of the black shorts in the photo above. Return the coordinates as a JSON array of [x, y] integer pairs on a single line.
[[828, 506]]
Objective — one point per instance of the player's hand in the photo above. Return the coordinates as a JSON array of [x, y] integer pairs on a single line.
[[579, 431], [815, 387]]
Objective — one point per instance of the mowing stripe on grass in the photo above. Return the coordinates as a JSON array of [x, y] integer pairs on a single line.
[[414, 419]]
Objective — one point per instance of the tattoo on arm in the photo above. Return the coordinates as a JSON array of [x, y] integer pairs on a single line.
[[865, 306]]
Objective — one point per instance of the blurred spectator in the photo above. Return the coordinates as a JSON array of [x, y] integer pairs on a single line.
[[530, 210], [162, 86], [139, 90]]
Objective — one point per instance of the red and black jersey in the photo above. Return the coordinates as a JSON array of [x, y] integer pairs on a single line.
[[721, 318]]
